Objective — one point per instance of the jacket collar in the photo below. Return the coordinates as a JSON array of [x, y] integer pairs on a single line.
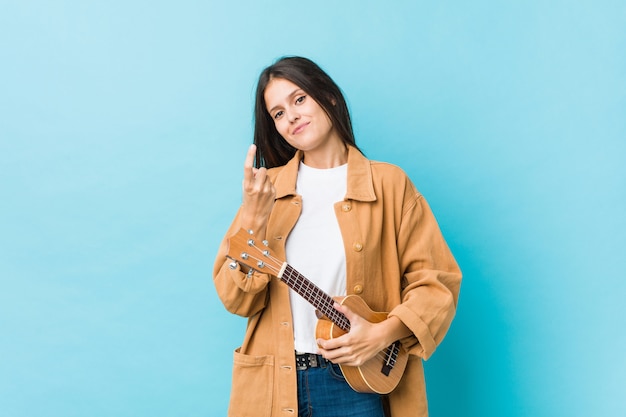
[[360, 185]]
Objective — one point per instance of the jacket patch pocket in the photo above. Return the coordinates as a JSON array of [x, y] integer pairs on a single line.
[[253, 382]]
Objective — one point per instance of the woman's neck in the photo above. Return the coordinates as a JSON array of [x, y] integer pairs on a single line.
[[328, 158]]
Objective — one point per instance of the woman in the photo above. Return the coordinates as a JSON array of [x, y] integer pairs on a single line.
[[353, 227]]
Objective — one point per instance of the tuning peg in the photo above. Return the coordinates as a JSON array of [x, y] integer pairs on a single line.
[[232, 265], [250, 272]]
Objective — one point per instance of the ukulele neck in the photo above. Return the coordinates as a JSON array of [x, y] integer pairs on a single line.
[[323, 302]]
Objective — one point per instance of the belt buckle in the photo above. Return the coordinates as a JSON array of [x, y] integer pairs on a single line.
[[313, 361]]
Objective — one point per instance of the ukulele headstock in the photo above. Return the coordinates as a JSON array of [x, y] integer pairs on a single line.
[[243, 248]]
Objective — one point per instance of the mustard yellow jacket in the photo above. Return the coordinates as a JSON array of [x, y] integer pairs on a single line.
[[396, 260]]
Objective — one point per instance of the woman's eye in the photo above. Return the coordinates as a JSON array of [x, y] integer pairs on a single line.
[[278, 114], [300, 99]]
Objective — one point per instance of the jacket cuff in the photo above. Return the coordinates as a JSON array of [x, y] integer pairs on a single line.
[[426, 343], [252, 284]]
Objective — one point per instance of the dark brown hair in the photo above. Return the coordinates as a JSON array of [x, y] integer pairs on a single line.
[[272, 149]]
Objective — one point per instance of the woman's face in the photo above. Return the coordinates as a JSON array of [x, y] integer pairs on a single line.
[[299, 119]]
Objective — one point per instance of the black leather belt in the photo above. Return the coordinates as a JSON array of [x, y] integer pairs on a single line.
[[305, 361]]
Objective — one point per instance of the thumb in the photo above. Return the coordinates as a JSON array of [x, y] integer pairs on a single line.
[[345, 310]]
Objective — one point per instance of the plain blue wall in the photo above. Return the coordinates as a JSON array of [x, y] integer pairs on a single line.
[[123, 128]]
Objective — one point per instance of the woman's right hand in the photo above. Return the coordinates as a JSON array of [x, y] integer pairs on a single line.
[[258, 196]]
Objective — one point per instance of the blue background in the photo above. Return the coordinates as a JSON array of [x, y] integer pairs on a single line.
[[123, 130]]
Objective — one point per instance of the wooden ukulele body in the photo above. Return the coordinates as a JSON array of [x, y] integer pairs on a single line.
[[368, 377]]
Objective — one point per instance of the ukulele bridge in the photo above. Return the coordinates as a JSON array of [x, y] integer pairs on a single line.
[[390, 358]]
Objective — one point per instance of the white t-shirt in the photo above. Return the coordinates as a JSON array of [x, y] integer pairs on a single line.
[[315, 247]]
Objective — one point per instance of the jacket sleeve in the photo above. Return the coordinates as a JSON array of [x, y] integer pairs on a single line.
[[431, 278], [241, 293]]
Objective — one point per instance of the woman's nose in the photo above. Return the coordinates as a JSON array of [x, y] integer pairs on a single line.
[[292, 116]]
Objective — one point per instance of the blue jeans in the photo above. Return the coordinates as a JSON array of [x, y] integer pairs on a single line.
[[324, 392]]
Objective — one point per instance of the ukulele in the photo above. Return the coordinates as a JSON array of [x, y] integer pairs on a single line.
[[382, 373]]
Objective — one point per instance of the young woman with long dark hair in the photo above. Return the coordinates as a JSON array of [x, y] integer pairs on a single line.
[[346, 226]]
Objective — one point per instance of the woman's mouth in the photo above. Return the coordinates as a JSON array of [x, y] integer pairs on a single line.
[[300, 128]]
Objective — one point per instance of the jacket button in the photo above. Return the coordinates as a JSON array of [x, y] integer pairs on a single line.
[[358, 289], [358, 247], [346, 207]]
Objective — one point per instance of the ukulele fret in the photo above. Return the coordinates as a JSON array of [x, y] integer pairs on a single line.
[[314, 295]]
